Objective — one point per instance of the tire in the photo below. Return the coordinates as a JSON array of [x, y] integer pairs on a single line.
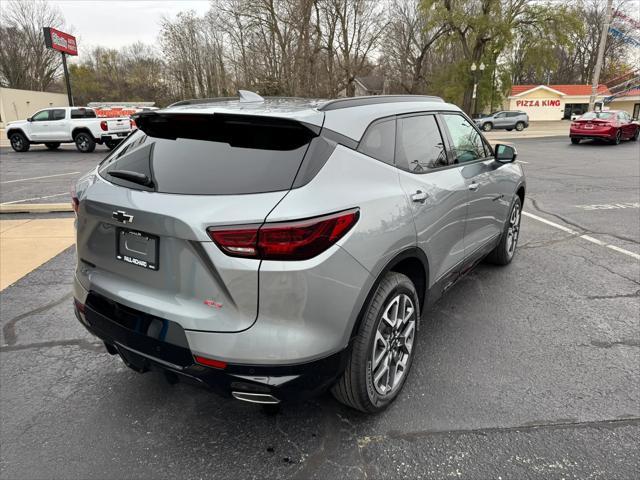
[[487, 127], [634, 138], [506, 249], [19, 142], [508, 129], [52, 145], [111, 144], [618, 137], [575, 141], [519, 126], [84, 142], [358, 388]]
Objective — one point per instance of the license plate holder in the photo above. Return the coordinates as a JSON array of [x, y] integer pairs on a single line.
[[137, 248]]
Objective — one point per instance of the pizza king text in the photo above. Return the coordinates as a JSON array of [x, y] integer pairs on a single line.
[[537, 103]]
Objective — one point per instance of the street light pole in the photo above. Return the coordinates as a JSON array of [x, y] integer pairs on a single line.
[[603, 42], [475, 70]]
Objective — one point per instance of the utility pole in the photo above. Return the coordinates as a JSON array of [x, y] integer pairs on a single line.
[[603, 42]]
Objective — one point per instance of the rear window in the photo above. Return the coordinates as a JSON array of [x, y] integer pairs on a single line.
[[82, 113], [594, 115], [211, 154]]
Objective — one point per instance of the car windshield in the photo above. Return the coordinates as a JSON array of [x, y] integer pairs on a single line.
[[598, 115]]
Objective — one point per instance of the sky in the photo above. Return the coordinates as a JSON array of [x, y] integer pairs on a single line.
[[116, 23]]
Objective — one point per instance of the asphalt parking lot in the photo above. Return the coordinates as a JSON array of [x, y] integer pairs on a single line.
[[528, 371]]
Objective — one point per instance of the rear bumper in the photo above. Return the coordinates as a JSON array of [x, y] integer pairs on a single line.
[[144, 347], [107, 137], [607, 134]]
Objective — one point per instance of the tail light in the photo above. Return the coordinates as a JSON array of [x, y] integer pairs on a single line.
[[75, 202], [297, 240], [209, 362], [103, 125], [132, 123]]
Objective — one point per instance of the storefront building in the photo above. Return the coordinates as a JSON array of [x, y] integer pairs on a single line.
[[628, 101], [553, 102]]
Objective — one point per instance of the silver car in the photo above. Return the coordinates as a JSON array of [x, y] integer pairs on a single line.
[[505, 120], [275, 248]]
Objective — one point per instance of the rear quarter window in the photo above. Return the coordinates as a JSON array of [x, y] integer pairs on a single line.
[[212, 154]]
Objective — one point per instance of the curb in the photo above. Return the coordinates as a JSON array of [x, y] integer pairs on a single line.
[[36, 208]]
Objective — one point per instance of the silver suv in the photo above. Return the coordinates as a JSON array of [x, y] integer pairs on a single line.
[[507, 120], [274, 248]]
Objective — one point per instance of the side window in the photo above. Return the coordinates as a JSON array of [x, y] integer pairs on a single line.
[[42, 116], [467, 142], [501, 115], [82, 113], [57, 114], [513, 114], [379, 141], [420, 147]]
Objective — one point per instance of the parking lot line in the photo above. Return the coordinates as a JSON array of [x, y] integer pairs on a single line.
[[584, 237], [39, 178], [27, 244], [34, 198]]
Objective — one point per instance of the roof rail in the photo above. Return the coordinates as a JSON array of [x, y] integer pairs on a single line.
[[374, 100], [198, 101]]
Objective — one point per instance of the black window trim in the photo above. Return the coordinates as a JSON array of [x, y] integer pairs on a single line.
[[444, 131]]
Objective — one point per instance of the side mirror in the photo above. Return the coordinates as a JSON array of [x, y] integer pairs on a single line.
[[505, 153], [30, 119]]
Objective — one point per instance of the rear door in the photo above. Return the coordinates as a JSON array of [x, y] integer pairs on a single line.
[[58, 125], [147, 245], [437, 194], [488, 183]]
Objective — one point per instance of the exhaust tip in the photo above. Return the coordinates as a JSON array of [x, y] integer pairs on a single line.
[[262, 398]]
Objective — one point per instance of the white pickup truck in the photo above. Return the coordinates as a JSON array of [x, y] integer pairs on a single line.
[[79, 125]]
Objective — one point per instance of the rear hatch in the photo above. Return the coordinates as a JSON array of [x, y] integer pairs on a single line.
[[142, 234]]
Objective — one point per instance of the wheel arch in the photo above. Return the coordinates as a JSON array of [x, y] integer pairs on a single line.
[[11, 131], [78, 130], [411, 262]]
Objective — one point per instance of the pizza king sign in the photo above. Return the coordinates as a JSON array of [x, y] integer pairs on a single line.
[[57, 40], [537, 103]]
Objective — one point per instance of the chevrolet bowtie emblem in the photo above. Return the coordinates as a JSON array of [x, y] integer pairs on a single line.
[[122, 217]]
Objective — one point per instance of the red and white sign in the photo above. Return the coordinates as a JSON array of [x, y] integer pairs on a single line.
[[537, 103], [57, 40]]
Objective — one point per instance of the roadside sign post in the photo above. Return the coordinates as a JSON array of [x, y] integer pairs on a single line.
[[66, 45], [66, 78]]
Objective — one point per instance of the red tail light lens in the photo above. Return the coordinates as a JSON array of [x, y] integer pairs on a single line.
[[103, 125], [209, 362], [297, 240], [132, 123]]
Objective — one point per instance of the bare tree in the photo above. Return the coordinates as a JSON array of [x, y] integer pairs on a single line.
[[25, 62]]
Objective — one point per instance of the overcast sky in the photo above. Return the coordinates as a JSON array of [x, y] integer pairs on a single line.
[[116, 23]]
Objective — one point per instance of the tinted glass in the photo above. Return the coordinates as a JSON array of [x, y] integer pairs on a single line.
[[379, 141], [513, 114], [467, 142], [83, 113], [213, 155], [57, 114], [419, 147], [501, 115], [41, 116]]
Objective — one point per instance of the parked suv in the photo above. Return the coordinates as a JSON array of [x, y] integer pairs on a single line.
[[274, 248], [79, 125], [507, 120]]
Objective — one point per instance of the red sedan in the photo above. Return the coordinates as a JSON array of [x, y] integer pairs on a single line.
[[612, 125]]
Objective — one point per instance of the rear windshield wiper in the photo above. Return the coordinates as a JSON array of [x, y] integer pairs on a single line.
[[135, 177]]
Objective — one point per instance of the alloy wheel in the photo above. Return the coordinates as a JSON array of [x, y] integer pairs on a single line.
[[16, 142], [82, 142], [513, 230], [393, 344]]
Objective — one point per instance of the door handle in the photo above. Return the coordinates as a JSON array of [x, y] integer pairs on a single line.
[[473, 186], [419, 196]]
